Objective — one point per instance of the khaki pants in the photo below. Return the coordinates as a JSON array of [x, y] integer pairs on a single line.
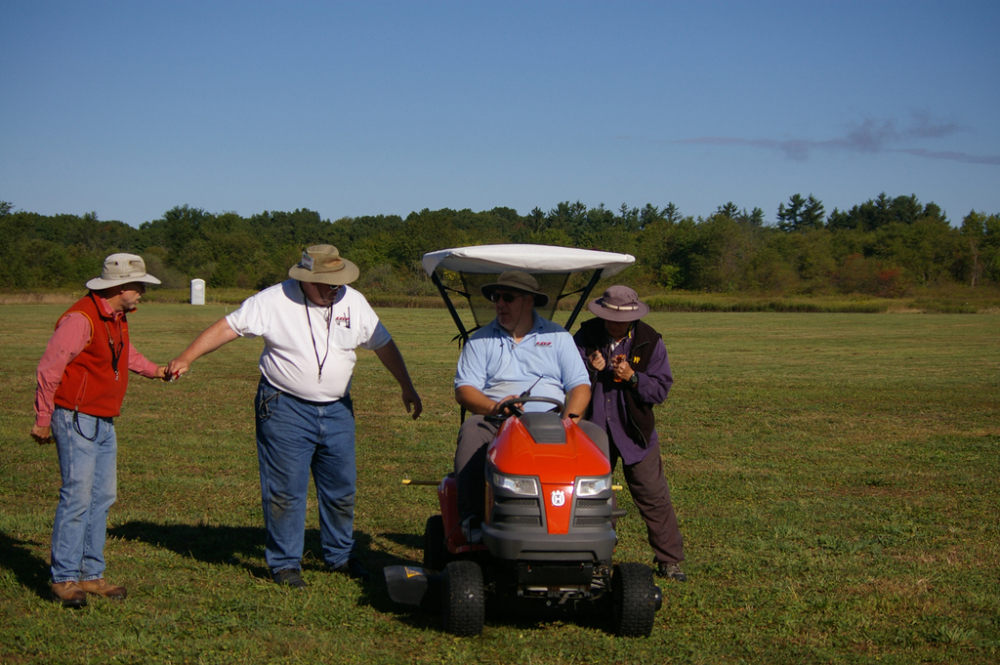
[[651, 496]]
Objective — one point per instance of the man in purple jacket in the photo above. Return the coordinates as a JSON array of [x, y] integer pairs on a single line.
[[630, 373]]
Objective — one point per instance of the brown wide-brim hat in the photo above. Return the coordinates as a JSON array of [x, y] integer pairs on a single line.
[[322, 264], [516, 280], [121, 269], [619, 303]]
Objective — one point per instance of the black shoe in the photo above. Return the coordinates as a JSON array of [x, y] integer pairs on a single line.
[[352, 569], [289, 577], [672, 571]]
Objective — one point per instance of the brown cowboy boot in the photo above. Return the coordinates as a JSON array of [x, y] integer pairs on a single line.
[[69, 594], [101, 587]]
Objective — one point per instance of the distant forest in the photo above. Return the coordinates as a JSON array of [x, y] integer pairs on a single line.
[[884, 246]]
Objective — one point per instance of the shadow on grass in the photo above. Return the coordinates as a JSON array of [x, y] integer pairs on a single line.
[[414, 541], [241, 545], [30, 569], [231, 545]]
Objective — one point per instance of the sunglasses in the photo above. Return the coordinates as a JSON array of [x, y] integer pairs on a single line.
[[329, 288], [506, 297]]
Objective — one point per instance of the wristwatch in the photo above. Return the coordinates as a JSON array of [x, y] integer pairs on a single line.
[[633, 380]]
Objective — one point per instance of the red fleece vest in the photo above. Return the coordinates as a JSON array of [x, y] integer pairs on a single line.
[[89, 384]]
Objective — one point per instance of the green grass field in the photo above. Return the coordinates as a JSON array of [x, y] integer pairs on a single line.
[[837, 478]]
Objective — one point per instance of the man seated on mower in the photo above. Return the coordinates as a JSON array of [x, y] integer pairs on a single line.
[[516, 352]]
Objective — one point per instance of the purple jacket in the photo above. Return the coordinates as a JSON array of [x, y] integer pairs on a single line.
[[626, 411]]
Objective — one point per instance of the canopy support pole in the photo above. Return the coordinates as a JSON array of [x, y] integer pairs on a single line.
[[462, 332], [583, 297]]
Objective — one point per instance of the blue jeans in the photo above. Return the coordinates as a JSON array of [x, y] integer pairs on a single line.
[[295, 437], [87, 462]]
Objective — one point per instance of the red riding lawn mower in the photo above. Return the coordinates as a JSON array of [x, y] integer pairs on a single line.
[[547, 537]]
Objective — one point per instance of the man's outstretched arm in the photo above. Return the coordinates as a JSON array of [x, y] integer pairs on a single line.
[[216, 335]]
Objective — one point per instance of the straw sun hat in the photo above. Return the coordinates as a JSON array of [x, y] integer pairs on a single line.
[[121, 269], [322, 264]]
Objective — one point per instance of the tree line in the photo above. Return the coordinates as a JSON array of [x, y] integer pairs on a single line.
[[884, 246]]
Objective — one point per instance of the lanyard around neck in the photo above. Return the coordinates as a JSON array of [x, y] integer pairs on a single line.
[[312, 336], [116, 353]]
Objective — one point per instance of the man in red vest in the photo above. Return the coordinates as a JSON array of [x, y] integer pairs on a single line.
[[82, 379]]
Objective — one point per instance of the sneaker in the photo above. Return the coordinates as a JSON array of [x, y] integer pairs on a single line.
[[671, 571], [69, 594], [289, 577], [101, 587], [471, 529], [352, 569]]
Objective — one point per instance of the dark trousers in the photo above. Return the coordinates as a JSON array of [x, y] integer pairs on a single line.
[[474, 437], [651, 496]]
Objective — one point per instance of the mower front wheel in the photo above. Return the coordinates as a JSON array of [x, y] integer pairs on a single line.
[[464, 599], [634, 599]]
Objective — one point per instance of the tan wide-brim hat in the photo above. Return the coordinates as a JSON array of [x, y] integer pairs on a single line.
[[516, 280], [619, 303], [121, 269], [322, 264]]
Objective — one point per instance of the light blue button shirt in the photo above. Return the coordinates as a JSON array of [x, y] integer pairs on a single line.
[[545, 358]]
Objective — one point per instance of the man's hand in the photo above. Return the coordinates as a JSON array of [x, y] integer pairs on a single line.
[[497, 411], [41, 434], [596, 360], [411, 400], [622, 370], [176, 368]]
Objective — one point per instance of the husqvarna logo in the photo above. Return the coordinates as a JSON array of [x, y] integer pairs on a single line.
[[558, 498]]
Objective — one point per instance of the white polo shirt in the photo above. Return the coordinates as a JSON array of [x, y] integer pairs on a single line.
[[292, 341]]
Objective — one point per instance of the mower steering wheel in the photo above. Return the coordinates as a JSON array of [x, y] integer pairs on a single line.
[[509, 405]]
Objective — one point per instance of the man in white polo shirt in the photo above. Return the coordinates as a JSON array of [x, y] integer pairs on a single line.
[[517, 351], [311, 325]]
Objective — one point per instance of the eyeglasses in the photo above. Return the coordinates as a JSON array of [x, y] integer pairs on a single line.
[[506, 297]]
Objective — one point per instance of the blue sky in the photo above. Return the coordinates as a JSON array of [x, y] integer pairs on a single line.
[[127, 109]]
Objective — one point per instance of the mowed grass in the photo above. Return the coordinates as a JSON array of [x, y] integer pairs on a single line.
[[837, 478]]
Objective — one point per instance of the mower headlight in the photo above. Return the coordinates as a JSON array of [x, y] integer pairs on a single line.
[[592, 486], [516, 484]]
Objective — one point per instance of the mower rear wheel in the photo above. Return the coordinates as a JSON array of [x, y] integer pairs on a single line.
[[435, 549], [464, 599], [633, 599]]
